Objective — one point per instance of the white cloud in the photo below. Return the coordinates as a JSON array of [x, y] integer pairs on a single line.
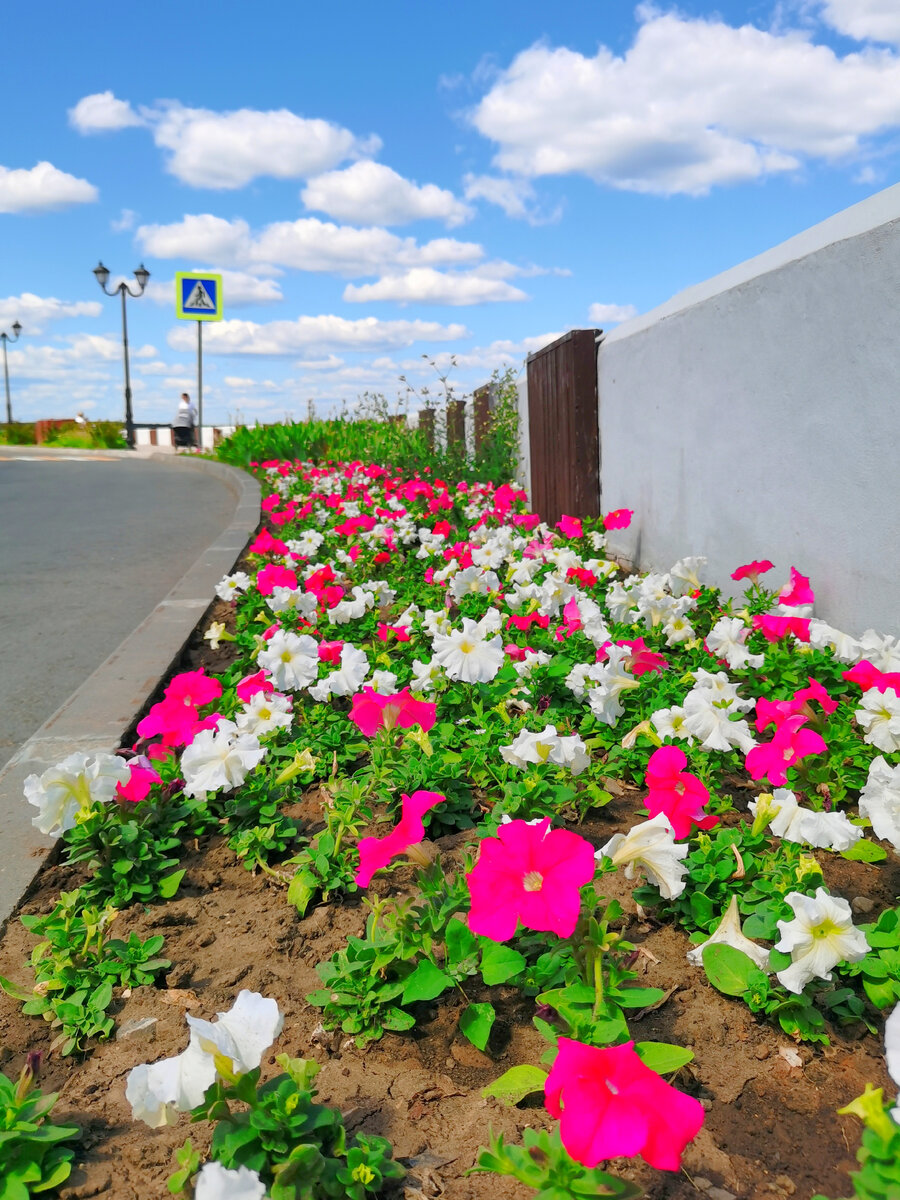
[[427, 286], [514, 195], [691, 104], [228, 149], [238, 288], [124, 222], [611, 314], [102, 113], [372, 194], [307, 244], [322, 332], [41, 188], [33, 312], [873, 20], [495, 356]]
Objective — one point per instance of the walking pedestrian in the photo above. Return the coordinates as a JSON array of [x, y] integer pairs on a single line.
[[185, 424]]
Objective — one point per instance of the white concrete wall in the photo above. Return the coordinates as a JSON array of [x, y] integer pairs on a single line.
[[523, 475], [757, 415]]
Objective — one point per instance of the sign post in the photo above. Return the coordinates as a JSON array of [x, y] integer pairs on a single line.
[[198, 297]]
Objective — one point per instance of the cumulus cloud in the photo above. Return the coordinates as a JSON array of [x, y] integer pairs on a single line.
[[515, 195], [102, 113], [33, 312], [864, 20], [238, 288], [692, 104], [322, 332], [372, 194], [425, 285], [307, 244], [42, 188], [611, 314], [226, 150]]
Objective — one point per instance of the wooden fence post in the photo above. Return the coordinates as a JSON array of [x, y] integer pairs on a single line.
[[481, 405], [426, 424], [456, 424]]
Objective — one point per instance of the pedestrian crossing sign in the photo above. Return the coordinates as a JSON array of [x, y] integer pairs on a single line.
[[198, 296]]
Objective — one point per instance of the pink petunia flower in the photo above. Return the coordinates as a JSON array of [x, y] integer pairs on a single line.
[[247, 688], [375, 853], [611, 1105], [866, 675], [773, 712], [619, 518], [792, 741], [330, 651], [797, 591], [676, 792], [274, 575], [774, 628], [142, 780], [266, 544], [532, 874], [193, 687], [525, 622], [752, 570], [386, 632], [372, 711], [569, 527]]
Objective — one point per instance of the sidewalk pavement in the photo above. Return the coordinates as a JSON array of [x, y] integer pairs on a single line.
[[98, 713]]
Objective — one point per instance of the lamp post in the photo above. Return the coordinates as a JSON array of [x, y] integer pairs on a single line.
[[4, 337], [141, 275]]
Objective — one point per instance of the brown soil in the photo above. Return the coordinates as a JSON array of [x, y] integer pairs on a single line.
[[771, 1127]]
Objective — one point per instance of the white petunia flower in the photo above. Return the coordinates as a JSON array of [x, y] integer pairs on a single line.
[[243, 1034], [547, 746], [473, 581], [678, 629], [709, 721], [879, 800], [291, 660], [72, 787], [265, 712], [347, 679], [685, 575], [721, 689], [821, 935], [219, 759], [726, 640], [384, 683], [882, 651], [829, 831], [285, 599], [824, 637], [467, 655], [426, 676], [652, 847], [879, 716], [669, 723], [216, 1182], [307, 544], [728, 932], [231, 586]]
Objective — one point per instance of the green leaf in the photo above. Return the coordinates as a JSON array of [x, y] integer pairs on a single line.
[[662, 1057], [425, 983], [460, 940], [476, 1022], [169, 885], [728, 969], [499, 962], [865, 851], [516, 1083], [638, 997]]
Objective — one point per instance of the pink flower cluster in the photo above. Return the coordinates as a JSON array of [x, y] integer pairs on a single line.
[[792, 740]]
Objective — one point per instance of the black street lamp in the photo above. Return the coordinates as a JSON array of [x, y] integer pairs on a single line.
[[141, 275], [4, 338]]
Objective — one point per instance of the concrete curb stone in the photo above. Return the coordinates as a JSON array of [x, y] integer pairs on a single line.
[[98, 713]]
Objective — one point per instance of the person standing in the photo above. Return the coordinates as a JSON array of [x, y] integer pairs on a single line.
[[185, 423]]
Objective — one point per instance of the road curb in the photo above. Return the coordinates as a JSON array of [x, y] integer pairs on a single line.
[[99, 712]]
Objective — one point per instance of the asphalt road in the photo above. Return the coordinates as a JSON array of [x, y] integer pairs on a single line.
[[87, 549]]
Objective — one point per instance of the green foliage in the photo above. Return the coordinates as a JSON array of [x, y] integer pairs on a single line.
[[543, 1164], [299, 1148], [328, 864], [32, 1157], [17, 433], [77, 966], [879, 1155]]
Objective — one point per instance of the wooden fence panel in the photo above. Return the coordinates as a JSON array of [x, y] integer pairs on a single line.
[[456, 424], [481, 408], [564, 427]]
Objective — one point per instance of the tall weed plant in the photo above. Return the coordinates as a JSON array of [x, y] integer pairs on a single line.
[[377, 430]]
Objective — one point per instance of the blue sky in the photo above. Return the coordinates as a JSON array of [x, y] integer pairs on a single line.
[[383, 182]]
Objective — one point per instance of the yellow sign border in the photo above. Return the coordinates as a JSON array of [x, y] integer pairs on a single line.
[[179, 310]]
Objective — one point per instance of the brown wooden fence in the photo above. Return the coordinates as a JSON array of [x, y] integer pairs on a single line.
[[563, 427]]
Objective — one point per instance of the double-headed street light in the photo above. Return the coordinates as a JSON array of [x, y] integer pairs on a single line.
[[4, 338], [141, 275]]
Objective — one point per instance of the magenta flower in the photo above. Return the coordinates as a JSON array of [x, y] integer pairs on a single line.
[[372, 712], [375, 853], [142, 780], [620, 518], [274, 575], [569, 527], [529, 873], [676, 792], [792, 741], [247, 688], [752, 570], [266, 544], [610, 1105], [193, 687], [797, 591], [330, 651], [773, 712], [775, 628], [867, 676]]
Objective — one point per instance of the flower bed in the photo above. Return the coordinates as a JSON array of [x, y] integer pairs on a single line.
[[511, 838]]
